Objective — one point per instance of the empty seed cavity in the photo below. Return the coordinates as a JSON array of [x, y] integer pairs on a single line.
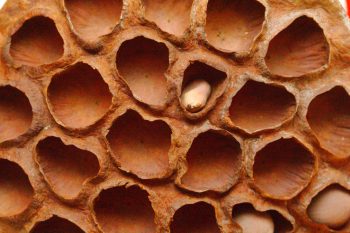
[[201, 84], [171, 16], [283, 168], [329, 118], [124, 210], [65, 167], [56, 225], [299, 49], [213, 163], [140, 146], [78, 97], [94, 19], [234, 25], [195, 218], [195, 95], [142, 63], [37, 42], [259, 106], [331, 207], [16, 192], [15, 113], [251, 220]]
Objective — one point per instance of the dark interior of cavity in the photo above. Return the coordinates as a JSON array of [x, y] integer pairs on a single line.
[[299, 49], [56, 225], [140, 146], [329, 118], [37, 42], [124, 210], [281, 224], [195, 218], [234, 25], [319, 196], [142, 63], [16, 192], [198, 70], [66, 167], [172, 16], [259, 106], [15, 113], [283, 167], [79, 96], [93, 19], [213, 162]]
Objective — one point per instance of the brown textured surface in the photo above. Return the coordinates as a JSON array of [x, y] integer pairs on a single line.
[[94, 139]]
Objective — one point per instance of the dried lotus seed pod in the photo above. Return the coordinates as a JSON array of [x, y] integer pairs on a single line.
[[195, 95], [168, 116]]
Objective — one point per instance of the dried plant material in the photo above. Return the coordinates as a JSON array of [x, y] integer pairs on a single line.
[[172, 16], [140, 146], [195, 218], [16, 192], [78, 96], [329, 118], [331, 207], [66, 167], [251, 220], [56, 225], [195, 95], [234, 25], [124, 210], [165, 116], [142, 63], [299, 49], [258, 106], [15, 113], [37, 42], [93, 19]]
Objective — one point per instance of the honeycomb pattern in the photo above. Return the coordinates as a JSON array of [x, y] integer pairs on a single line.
[[96, 137]]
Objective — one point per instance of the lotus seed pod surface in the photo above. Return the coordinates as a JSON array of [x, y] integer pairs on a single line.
[[169, 116]]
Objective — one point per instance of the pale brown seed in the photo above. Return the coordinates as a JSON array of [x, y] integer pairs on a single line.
[[195, 95], [331, 207], [252, 221]]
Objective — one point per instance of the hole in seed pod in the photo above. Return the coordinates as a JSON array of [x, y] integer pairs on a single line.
[[16, 192], [331, 207], [200, 84], [37, 42], [140, 146], [124, 210], [283, 168], [65, 167], [79, 97], [299, 49], [254, 221], [214, 162], [234, 25], [258, 106], [195, 218], [93, 19], [171, 16], [15, 113], [142, 63], [56, 225], [329, 118]]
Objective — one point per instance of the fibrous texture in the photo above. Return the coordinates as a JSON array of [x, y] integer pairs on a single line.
[[169, 116]]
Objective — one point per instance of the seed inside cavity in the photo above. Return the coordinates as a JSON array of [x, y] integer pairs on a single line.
[[195, 95], [331, 207], [252, 221]]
